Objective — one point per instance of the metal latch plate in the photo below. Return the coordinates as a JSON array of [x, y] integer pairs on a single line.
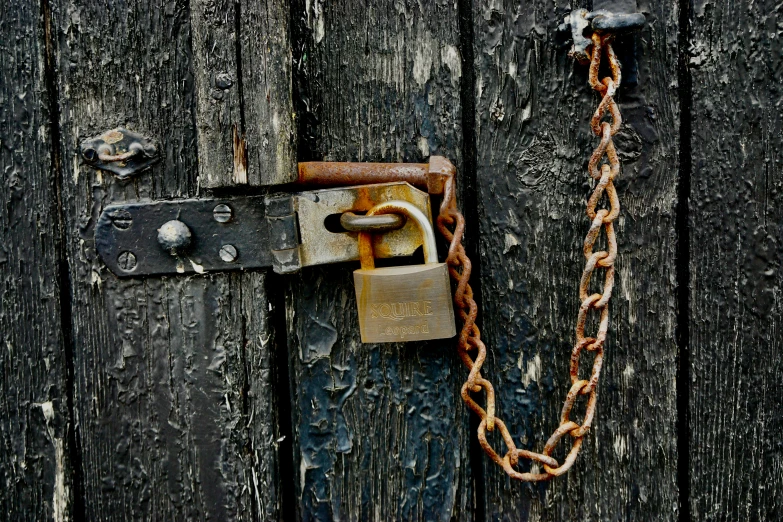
[[130, 231], [313, 208], [285, 231]]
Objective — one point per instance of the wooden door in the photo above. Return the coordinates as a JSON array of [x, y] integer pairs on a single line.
[[248, 395]]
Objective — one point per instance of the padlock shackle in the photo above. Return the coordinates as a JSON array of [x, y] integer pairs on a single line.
[[366, 255]]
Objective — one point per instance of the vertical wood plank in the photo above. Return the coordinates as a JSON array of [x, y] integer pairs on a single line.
[[262, 406], [170, 376], [736, 217], [533, 106], [218, 103], [265, 44], [244, 110], [35, 465], [379, 430]]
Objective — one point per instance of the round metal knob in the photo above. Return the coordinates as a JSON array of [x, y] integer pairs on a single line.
[[174, 236]]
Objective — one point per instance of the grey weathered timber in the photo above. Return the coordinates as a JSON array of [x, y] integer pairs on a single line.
[[736, 217], [270, 130], [222, 159], [170, 373], [379, 430], [533, 106], [244, 111], [35, 465]]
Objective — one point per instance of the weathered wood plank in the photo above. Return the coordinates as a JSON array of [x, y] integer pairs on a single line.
[[736, 216], [380, 432], [533, 141], [262, 406], [265, 44], [218, 104], [168, 371], [35, 465], [244, 111]]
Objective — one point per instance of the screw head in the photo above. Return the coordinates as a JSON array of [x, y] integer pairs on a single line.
[[121, 219], [228, 253], [127, 261], [174, 236], [222, 213]]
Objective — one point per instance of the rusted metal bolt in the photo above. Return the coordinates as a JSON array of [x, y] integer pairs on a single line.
[[127, 261], [123, 152], [174, 236], [228, 253], [121, 219], [606, 22], [222, 213]]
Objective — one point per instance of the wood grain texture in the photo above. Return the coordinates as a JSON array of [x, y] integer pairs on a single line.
[[270, 130], [380, 432], [244, 110], [218, 103], [533, 106], [170, 373], [35, 466], [736, 214]]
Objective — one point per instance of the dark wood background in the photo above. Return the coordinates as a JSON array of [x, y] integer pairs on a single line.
[[248, 396]]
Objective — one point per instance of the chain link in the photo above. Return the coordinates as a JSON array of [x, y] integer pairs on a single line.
[[470, 347]]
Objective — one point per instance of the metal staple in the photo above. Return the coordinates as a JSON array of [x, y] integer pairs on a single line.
[[470, 347]]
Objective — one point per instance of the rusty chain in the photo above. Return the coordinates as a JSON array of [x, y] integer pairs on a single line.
[[470, 347]]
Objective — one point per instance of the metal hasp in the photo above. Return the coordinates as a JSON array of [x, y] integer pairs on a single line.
[[123, 152], [317, 245], [582, 23], [285, 231]]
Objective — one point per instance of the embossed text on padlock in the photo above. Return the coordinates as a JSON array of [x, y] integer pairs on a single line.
[[403, 303]]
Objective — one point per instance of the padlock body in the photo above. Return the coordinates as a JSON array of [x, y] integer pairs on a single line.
[[404, 303]]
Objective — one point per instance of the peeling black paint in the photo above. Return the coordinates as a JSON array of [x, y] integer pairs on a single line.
[[170, 382], [36, 468], [380, 430], [736, 220], [172, 375], [533, 107]]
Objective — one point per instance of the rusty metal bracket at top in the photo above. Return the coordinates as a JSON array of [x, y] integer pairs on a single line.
[[430, 176]]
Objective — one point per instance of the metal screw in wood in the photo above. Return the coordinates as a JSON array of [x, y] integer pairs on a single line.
[[127, 261], [121, 219], [228, 253], [222, 213]]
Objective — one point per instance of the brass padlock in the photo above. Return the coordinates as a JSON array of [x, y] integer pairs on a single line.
[[403, 303]]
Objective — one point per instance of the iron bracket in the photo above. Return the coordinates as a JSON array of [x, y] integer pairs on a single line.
[[282, 231], [123, 152]]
